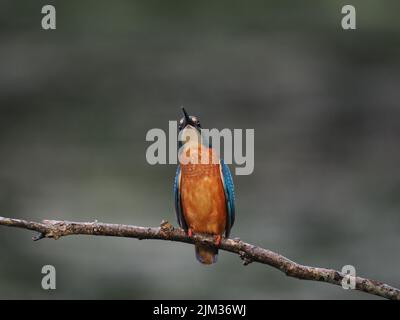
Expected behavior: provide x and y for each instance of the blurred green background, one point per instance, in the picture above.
(76, 103)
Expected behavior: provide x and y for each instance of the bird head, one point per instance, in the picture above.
(187, 121)
(189, 129)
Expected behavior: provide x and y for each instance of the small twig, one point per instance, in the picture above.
(248, 252)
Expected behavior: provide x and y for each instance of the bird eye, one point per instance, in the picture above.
(195, 120)
(180, 124)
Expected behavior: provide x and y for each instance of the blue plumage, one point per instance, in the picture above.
(178, 205)
(229, 196)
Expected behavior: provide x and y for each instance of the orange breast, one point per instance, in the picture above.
(203, 198)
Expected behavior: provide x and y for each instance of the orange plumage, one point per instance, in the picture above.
(203, 198)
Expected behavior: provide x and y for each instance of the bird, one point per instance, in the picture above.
(203, 190)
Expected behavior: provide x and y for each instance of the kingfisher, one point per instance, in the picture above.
(203, 190)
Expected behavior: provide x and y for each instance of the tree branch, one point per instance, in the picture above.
(247, 252)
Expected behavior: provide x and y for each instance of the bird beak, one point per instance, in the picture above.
(186, 115)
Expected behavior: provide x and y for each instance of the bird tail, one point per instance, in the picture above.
(205, 254)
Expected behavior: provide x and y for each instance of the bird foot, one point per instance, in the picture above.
(190, 233)
(217, 240)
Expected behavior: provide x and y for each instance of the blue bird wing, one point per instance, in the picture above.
(229, 196)
(178, 203)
